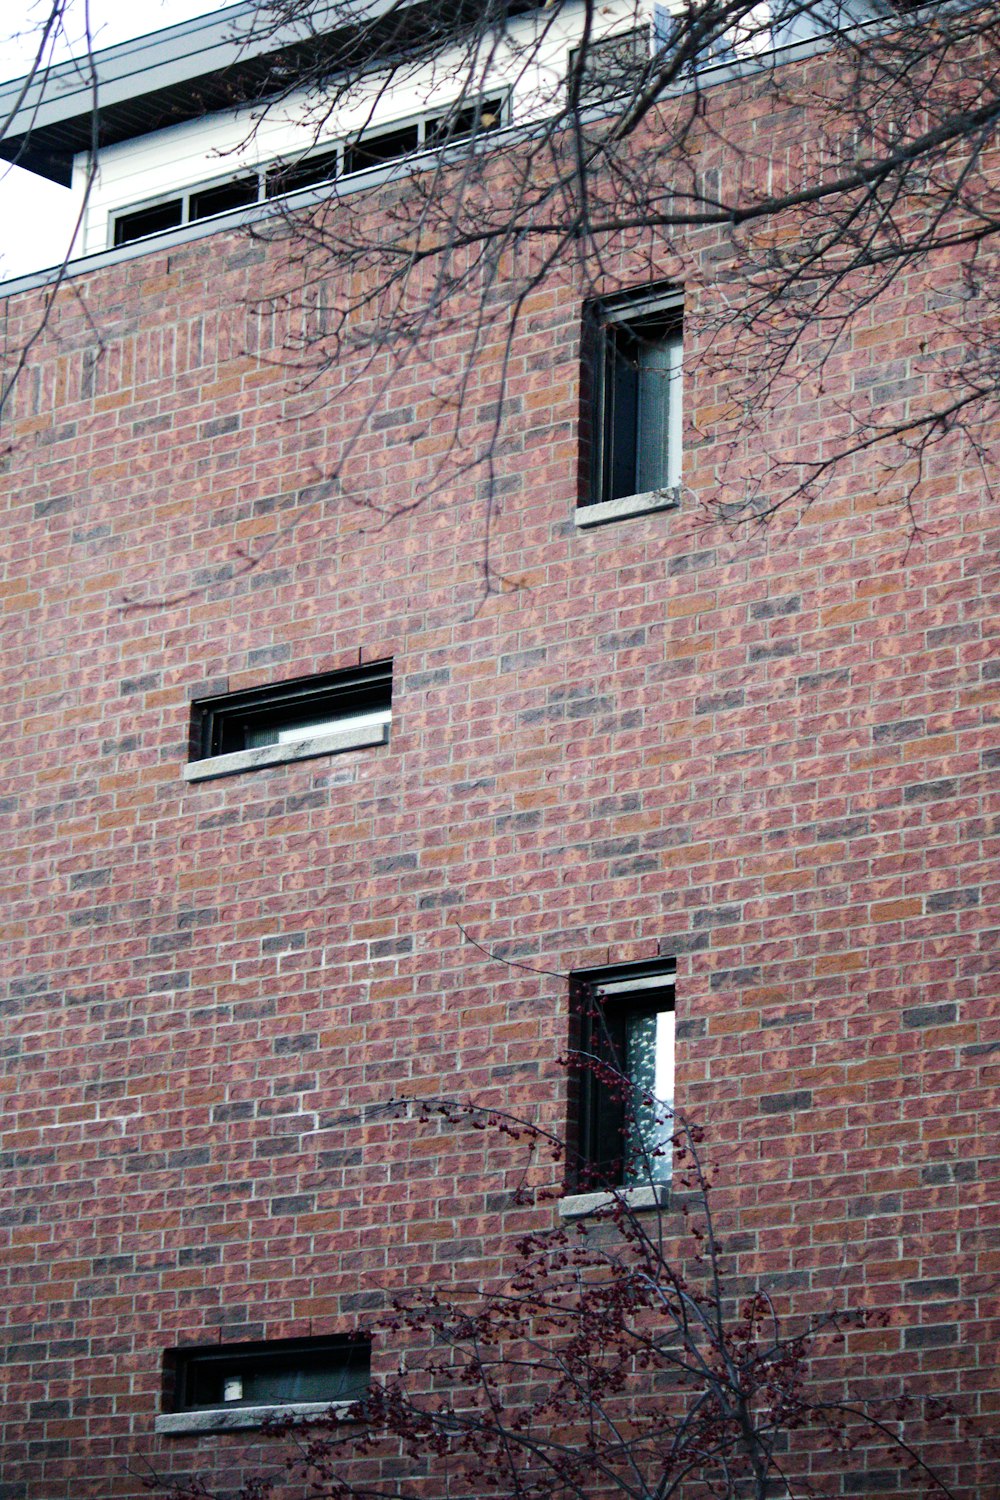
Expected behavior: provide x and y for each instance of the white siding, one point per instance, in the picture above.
(165, 162)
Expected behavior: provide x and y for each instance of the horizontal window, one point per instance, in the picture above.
(372, 149)
(294, 720)
(376, 150)
(309, 172)
(220, 1385)
(146, 221)
(222, 199)
(458, 124)
(615, 67)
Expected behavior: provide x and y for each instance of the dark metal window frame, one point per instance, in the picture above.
(189, 1368)
(221, 725)
(600, 1128)
(280, 178)
(614, 330)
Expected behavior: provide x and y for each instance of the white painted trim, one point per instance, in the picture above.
(627, 505)
(580, 1205)
(279, 755)
(663, 979)
(230, 1419)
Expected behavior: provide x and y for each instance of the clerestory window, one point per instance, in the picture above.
(374, 148)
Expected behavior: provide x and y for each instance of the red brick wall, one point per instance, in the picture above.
(771, 755)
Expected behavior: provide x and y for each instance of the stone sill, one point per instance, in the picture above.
(280, 755)
(232, 1419)
(638, 1199)
(627, 505)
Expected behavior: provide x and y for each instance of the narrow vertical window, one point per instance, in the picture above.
(625, 1027)
(634, 376)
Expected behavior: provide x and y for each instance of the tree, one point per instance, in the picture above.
(803, 169)
(619, 1357)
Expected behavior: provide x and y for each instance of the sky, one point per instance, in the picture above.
(36, 216)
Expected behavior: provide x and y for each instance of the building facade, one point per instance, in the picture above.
(317, 798)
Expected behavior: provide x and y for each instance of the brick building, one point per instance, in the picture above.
(280, 769)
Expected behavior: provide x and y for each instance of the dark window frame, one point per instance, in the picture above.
(123, 223)
(205, 202)
(324, 163)
(191, 1370)
(617, 331)
(221, 725)
(601, 1001)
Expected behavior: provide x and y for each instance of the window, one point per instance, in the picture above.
(625, 1029)
(428, 133)
(291, 721)
(460, 122)
(634, 370)
(611, 66)
(623, 64)
(238, 1385)
(322, 166)
(146, 221)
(375, 150)
(707, 40)
(239, 193)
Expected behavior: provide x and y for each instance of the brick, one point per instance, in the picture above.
(770, 609)
(714, 703)
(779, 1104)
(930, 1015)
(896, 911)
(930, 791)
(770, 758)
(934, 1336)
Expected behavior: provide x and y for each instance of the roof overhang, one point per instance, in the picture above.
(215, 62)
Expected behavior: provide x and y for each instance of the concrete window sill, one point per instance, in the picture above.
(280, 755)
(628, 505)
(580, 1205)
(233, 1419)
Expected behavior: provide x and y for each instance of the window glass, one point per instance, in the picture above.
(649, 1067)
(136, 226)
(305, 173)
(221, 199)
(374, 150)
(625, 1022)
(308, 729)
(611, 66)
(657, 449)
(355, 704)
(637, 418)
(459, 124)
(268, 1374)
